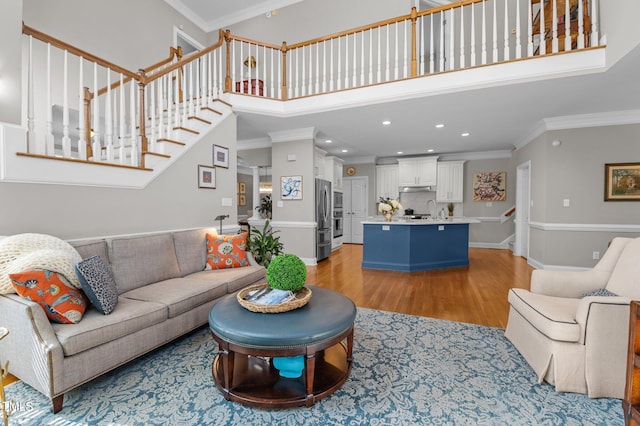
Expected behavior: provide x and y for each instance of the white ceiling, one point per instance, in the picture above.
(496, 118)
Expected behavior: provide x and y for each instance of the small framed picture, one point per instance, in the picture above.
(242, 187)
(242, 200)
(291, 187)
(206, 177)
(220, 156)
(622, 182)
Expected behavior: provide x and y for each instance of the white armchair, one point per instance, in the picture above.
(579, 344)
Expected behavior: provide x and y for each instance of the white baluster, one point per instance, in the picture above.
(176, 99)
(462, 55)
(108, 126)
(233, 67)
(170, 107)
(160, 97)
(66, 140)
(542, 48)
(379, 67)
(483, 56)
(442, 21)
(595, 36)
(405, 52)
(518, 39)
(580, 24)
(346, 61)
(185, 102)
(82, 144)
(387, 57)
(452, 33)
(362, 81)
(506, 52)
(96, 146)
(567, 27)
(529, 30)
(371, 56)
(122, 123)
(396, 69)
(431, 52)
(151, 129)
(264, 71)
(324, 66)
(495, 33)
(49, 141)
(297, 75)
(355, 61)
(135, 159)
(214, 77)
(31, 128)
(303, 83)
(273, 92)
(317, 67)
(331, 69)
(473, 35)
(192, 111)
(310, 91)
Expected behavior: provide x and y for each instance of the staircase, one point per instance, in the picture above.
(551, 20)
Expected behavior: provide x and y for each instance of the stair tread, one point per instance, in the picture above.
(170, 141)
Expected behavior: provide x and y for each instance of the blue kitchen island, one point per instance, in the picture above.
(416, 245)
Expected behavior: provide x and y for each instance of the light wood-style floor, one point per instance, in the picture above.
(475, 294)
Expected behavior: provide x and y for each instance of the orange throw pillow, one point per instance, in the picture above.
(61, 302)
(227, 251)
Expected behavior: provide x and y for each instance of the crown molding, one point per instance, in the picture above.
(306, 133)
(245, 144)
(188, 13)
(578, 121)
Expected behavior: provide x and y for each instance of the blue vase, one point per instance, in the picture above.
(290, 367)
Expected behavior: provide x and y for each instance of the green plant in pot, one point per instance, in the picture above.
(263, 245)
(287, 272)
(265, 206)
(450, 207)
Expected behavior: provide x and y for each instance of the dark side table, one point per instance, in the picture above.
(243, 370)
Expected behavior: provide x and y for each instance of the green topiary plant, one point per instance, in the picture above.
(286, 272)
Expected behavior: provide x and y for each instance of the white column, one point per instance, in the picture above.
(256, 187)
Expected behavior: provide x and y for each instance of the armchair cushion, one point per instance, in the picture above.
(598, 292)
(555, 317)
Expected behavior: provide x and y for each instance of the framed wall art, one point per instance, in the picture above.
(220, 156)
(622, 182)
(291, 187)
(242, 187)
(489, 186)
(206, 177)
(242, 200)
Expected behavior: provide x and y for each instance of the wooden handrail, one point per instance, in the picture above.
(71, 49)
(230, 36)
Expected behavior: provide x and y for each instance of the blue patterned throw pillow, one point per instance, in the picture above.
(98, 283)
(598, 292)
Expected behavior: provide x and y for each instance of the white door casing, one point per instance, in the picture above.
(523, 208)
(355, 208)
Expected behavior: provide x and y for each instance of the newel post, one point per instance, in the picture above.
(227, 78)
(414, 44)
(283, 94)
(144, 145)
(88, 128)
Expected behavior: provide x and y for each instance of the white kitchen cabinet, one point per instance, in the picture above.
(333, 168)
(387, 181)
(450, 181)
(319, 164)
(419, 171)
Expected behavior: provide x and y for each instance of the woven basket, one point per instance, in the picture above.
(302, 297)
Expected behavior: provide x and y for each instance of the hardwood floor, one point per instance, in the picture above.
(475, 294)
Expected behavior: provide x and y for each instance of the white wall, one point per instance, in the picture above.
(10, 61)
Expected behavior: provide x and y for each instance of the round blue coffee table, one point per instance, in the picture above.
(243, 370)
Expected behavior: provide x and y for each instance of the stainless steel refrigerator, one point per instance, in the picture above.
(323, 219)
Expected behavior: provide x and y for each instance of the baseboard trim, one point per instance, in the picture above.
(586, 227)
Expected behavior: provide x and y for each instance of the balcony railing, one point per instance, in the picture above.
(85, 108)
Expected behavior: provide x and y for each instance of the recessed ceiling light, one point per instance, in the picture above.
(399, 152)
(439, 126)
(386, 122)
(328, 141)
(464, 134)
(430, 150)
(344, 150)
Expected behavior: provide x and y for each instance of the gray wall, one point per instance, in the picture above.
(575, 171)
(311, 19)
(132, 34)
(10, 61)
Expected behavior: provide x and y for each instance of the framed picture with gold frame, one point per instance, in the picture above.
(242, 187)
(622, 182)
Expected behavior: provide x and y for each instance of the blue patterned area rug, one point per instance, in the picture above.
(407, 370)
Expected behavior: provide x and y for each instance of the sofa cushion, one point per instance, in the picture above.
(139, 261)
(235, 278)
(88, 249)
(61, 302)
(98, 284)
(180, 294)
(625, 277)
(552, 316)
(227, 251)
(96, 329)
(191, 250)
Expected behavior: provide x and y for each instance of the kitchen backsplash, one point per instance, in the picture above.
(419, 202)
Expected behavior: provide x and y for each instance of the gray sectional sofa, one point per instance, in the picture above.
(164, 292)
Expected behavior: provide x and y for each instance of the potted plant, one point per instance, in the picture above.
(263, 245)
(450, 207)
(286, 272)
(264, 208)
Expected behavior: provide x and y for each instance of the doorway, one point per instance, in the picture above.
(185, 41)
(523, 209)
(355, 199)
